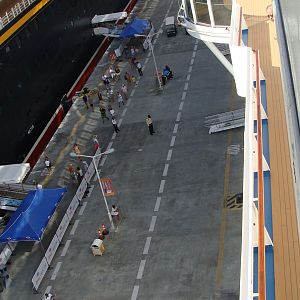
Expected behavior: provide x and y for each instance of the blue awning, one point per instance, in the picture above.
(29, 221)
(137, 26)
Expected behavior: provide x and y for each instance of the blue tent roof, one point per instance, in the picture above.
(31, 218)
(137, 26)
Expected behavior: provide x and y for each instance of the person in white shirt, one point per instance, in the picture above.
(48, 163)
(115, 124)
(115, 212)
(49, 296)
(139, 67)
(120, 99)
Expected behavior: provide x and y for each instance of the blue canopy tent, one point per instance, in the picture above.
(29, 221)
(137, 26)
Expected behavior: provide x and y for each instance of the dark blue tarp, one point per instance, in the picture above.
(29, 221)
(137, 26)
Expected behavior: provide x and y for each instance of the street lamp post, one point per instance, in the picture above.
(99, 180)
(152, 52)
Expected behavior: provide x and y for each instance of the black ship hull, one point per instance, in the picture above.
(38, 66)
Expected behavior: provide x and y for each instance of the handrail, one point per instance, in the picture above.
(261, 208)
(14, 12)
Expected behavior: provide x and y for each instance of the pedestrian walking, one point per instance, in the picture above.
(96, 143)
(72, 172)
(112, 73)
(115, 124)
(139, 68)
(124, 90)
(79, 174)
(128, 77)
(150, 124)
(47, 163)
(105, 80)
(170, 76)
(91, 102)
(110, 94)
(115, 212)
(111, 111)
(85, 100)
(100, 97)
(76, 150)
(120, 99)
(103, 114)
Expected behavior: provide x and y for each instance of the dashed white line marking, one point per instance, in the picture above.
(192, 61)
(152, 224)
(178, 116)
(66, 247)
(120, 122)
(74, 227)
(196, 42)
(147, 245)
(195, 47)
(146, 61)
(124, 112)
(82, 208)
(109, 146)
(194, 54)
(190, 69)
(57, 267)
(172, 141)
(181, 105)
(188, 77)
(186, 86)
(135, 292)
(165, 172)
(183, 96)
(114, 136)
(92, 186)
(141, 269)
(132, 92)
(157, 203)
(149, 53)
(175, 128)
(128, 102)
(103, 159)
(162, 186)
(169, 156)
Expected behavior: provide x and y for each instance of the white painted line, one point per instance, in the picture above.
(175, 128)
(192, 61)
(169, 156)
(120, 122)
(48, 289)
(141, 269)
(196, 42)
(195, 47)
(132, 92)
(135, 292)
(74, 227)
(181, 105)
(114, 136)
(103, 159)
(194, 54)
(178, 116)
(186, 86)
(149, 53)
(183, 96)
(165, 172)
(162, 186)
(152, 224)
(188, 77)
(109, 146)
(190, 69)
(172, 141)
(146, 61)
(57, 267)
(82, 208)
(157, 203)
(124, 112)
(147, 245)
(128, 102)
(66, 247)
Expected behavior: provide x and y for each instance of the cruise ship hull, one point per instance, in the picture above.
(39, 64)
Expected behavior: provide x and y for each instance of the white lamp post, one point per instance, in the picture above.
(148, 37)
(99, 180)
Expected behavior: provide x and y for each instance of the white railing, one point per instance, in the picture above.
(14, 12)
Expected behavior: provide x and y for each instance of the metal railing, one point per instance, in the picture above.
(14, 12)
